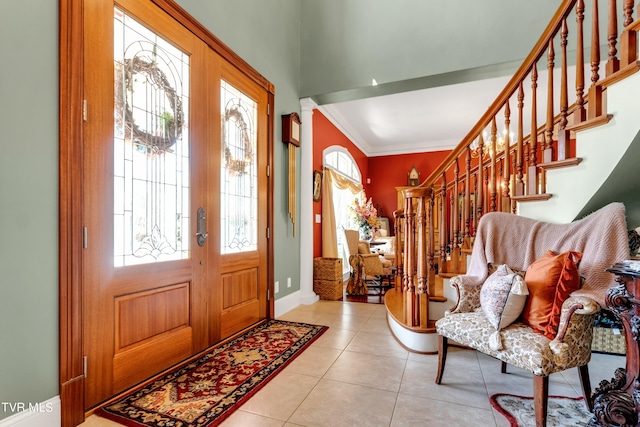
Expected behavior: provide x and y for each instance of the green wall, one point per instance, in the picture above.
(346, 43)
(28, 201)
(266, 34)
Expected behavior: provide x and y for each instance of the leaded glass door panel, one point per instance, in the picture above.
(243, 198)
(146, 145)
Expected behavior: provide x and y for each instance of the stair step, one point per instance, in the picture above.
(561, 163)
(531, 197)
(620, 75)
(394, 302)
(591, 123)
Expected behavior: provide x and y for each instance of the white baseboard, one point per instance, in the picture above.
(284, 304)
(45, 414)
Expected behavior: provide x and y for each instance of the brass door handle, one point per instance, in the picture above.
(201, 233)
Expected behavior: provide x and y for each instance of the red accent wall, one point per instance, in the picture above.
(325, 134)
(384, 172)
(388, 172)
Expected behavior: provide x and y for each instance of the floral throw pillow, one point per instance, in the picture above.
(503, 296)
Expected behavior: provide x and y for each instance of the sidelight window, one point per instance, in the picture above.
(239, 173)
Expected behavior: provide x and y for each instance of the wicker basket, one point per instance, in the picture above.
(606, 341)
(327, 269)
(329, 289)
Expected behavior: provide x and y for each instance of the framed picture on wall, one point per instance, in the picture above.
(317, 185)
(384, 225)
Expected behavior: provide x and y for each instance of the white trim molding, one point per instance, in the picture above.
(42, 414)
(284, 304)
(307, 295)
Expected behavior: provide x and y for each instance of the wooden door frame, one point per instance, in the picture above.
(71, 82)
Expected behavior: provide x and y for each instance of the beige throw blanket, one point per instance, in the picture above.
(504, 238)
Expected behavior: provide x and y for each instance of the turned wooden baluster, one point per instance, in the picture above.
(477, 199)
(451, 196)
(492, 177)
(506, 167)
(455, 211)
(421, 258)
(519, 182)
(580, 114)
(443, 224)
(480, 192)
(467, 200)
(628, 39)
(526, 148)
(398, 223)
(613, 64)
(628, 12)
(594, 104)
(532, 168)
(595, 44)
(486, 188)
(499, 163)
(547, 151)
(415, 257)
(512, 181)
(408, 288)
(431, 260)
(563, 133)
(547, 135)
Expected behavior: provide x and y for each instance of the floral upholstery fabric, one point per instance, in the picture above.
(468, 296)
(521, 346)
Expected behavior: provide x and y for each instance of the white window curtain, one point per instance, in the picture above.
(329, 234)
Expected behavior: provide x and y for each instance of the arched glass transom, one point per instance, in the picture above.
(340, 160)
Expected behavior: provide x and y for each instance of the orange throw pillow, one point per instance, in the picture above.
(550, 279)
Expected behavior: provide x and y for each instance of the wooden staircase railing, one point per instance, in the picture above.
(528, 129)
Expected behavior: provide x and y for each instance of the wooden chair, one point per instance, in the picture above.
(374, 268)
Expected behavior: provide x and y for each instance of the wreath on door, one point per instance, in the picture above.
(237, 165)
(168, 124)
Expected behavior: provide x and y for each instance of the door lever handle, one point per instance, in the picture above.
(201, 233)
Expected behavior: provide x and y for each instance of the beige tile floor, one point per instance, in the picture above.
(356, 374)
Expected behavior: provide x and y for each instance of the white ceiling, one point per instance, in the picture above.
(418, 121)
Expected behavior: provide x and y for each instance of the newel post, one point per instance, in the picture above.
(417, 223)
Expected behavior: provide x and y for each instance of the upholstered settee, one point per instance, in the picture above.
(521, 345)
(563, 341)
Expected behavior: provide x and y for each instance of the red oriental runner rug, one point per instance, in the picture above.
(207, 390)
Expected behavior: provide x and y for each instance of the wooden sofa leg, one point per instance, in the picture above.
(443, 344)
(585, 383)
(540, 397)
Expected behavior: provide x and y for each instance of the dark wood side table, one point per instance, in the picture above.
(617, 402)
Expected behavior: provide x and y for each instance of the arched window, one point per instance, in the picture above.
(339, 160)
